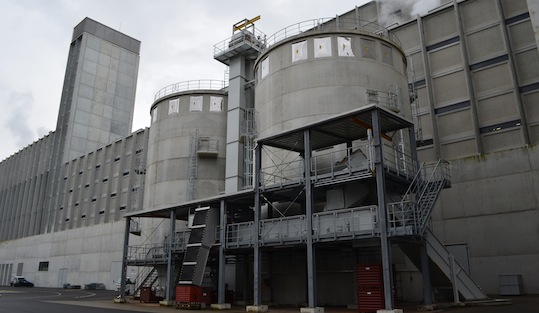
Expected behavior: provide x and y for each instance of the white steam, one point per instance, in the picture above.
(392, 12)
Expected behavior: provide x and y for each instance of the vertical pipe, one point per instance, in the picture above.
(382, 211)
(222, 231)
(170, 272)
(257, 270)
(311, 272)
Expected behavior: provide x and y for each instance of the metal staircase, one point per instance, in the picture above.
(201, 239)
(462, 282)
(416, 207)
(150, 275)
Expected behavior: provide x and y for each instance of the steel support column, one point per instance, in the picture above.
(257, 266)
(124, 257)
(311, 269)
(170, 271)
(382, 211)
(425, 272)
(222, 261)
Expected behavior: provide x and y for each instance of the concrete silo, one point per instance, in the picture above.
(317, 69)
(186, 146)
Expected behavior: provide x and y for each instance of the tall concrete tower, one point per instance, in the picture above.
(99, 89)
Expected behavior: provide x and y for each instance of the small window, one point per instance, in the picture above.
(139, 151)
(216, 104)
(94, 199)
(117, 159)
(87, 185)
(97, 166)
(80, 173)
(299, 51)
(154, 115)
(83, 216)
(106, 179)
(345, 46)
(43, 266)
(123, 207)
(101, 212)
(77, 203)
(112, 195)
(126, 173)
(322, 47)
(173, 106)
(195, 104)
(135, 189)
(264, 68)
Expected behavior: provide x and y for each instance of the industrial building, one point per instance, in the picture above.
(360, 161)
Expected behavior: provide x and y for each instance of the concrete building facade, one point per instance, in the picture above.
(466, 74)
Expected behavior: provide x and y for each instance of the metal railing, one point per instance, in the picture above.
(347, 161)
(331, 225)
(346, 223)
(331, 24)
(255, 38)
(202, 84)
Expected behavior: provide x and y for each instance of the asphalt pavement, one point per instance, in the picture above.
(38, 300)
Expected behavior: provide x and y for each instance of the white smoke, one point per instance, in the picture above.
(392, 12)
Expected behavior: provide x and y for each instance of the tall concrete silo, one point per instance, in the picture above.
(186, 146)
(317, 69)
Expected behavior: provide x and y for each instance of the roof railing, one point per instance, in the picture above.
(201, 84)
(331, 23)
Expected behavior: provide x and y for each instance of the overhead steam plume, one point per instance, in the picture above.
(392, 12)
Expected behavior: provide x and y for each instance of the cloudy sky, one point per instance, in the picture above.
(177, 45)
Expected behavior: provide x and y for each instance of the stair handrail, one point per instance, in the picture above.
(148, 271)
(439, 174)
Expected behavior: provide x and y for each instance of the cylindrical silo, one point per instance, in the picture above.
(187, 143)
(318, 69)
(329, 68)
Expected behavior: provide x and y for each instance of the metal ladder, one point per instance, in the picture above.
(193, 166)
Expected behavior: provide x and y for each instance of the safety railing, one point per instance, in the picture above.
(202, 84)
(358, 159)
(399, 162)
(345, 224)
(253, 37)
(240, 234)
(147, 252)
(331, 24)
(284, 229)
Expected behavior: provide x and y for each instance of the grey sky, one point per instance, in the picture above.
(177, 45)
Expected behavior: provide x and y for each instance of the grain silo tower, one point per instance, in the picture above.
(186, 151)
(319, 68)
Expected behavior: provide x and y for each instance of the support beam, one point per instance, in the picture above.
(171, 284)
(382, 211)
(311, 269)
(257, 270)
(121, 297)
(222, 262)
(425, 272)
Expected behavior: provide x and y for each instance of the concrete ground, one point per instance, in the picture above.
(520, 304)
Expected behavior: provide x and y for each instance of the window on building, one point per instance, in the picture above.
(322, 47)
(43, 266)
(264, 68)
(344, 45)
(299, 51)
(195, 104)
(173, 106)
(154, 115)
(216, 104)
